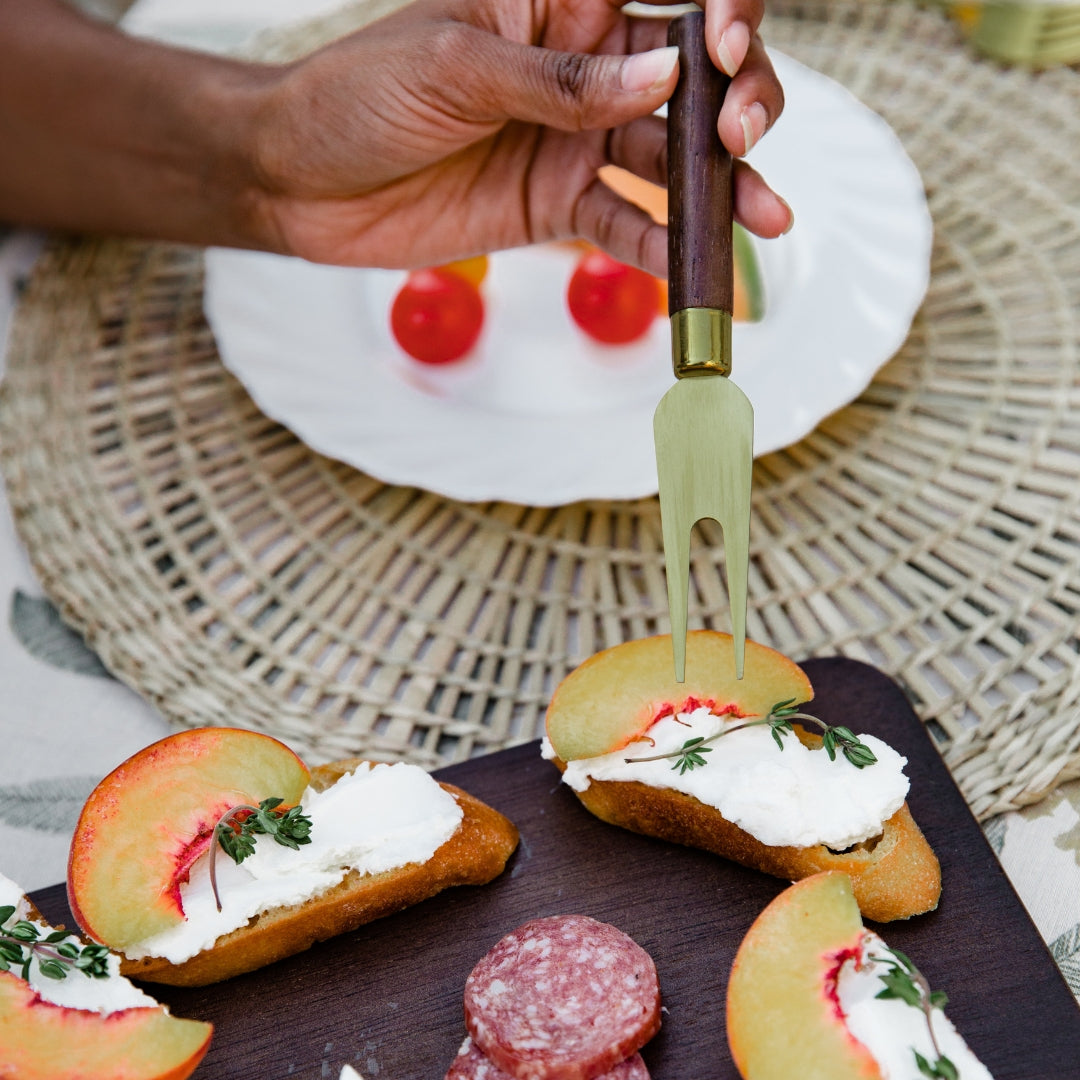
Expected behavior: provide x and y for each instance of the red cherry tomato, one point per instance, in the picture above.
(436, 316)
(612, 302)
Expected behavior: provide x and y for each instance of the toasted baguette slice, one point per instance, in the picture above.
(894, 876)
(474, 855)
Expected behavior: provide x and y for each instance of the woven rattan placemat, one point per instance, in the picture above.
(233, 576)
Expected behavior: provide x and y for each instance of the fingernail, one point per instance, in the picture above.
(754, 121)
(791, 217)
(732, 46)
(648, 70)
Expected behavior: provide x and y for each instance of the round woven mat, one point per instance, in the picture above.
(233, 576)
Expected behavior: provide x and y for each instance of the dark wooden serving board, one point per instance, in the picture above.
(387, 999)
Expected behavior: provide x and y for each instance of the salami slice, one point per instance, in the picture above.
(562, 998)
(470, 1064)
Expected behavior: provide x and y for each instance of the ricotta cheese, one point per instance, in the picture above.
(76, 991)
(891, 1029)
(378, 818)
(796, 797)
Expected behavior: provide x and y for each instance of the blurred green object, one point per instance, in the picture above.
(106, 10)
(1036, 35)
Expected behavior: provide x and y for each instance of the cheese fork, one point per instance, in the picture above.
(703, 426)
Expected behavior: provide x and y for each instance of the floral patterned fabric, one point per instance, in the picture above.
(1039, 848)
(64, 721)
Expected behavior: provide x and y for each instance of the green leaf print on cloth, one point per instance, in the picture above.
(995, 830)
(1068, 839)
(1066, 951)
(37, 625)
(51, 805)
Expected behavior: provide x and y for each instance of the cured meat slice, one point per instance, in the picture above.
(562, 998)
(470, 1064)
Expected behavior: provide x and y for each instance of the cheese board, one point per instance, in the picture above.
(387, 999)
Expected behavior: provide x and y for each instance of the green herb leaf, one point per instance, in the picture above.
(778, 727)
(94, 961)
(11, 952)
(780, 719)
(898, 984)
(20, 944)
(689, 756)
(904, 981)
(6, 912)
(946, 1069)
(904, 961)
(942, 1069)
(237, 828)
(860, 756)
(828, 743)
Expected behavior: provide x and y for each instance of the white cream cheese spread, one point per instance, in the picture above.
(796, 797)
(76, 990)
(378, 818)
(891, 1029)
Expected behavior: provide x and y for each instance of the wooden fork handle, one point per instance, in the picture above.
(700, 194)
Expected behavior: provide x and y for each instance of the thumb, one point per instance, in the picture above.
(566, 90)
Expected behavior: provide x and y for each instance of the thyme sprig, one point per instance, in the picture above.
(904, 981)
(237, 828)
(780, 719)
(57, 953)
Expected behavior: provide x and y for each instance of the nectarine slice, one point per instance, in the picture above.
(150, 818)
(42, 1041)
(783, 1016)
(617, 695)
(748, 303)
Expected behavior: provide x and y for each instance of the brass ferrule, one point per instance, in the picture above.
(701, 342)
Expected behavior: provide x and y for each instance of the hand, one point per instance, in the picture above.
(455, 127)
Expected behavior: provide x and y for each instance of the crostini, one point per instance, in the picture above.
(67, 1014)
(216, 851)
(736, 767)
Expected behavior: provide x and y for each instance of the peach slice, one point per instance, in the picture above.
(748, 303)
(473, 269)
(651, 198)
(783, 1017)
(616, 695)
(149, 819)
(42, 1041)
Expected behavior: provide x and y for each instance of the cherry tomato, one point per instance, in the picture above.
(473, 270)
(436, 316)
(612, 302)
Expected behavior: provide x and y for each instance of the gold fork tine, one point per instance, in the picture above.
(708, 476)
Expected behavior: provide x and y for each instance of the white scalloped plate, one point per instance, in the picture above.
(540, 415)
